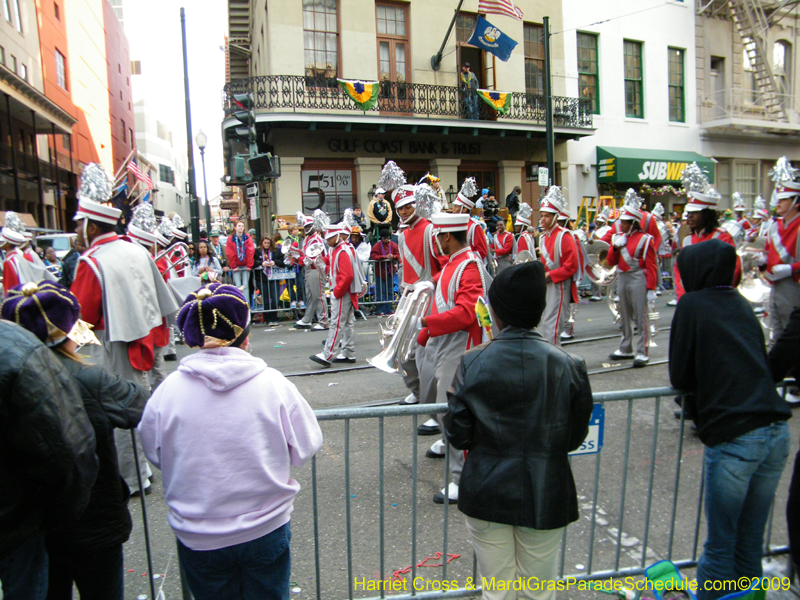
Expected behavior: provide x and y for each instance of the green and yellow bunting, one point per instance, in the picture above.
(500, 101)
(363, 93)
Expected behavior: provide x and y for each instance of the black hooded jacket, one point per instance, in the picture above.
(717, 350)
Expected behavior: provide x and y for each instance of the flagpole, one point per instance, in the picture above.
(548, 96)
(123, 165)
(194, 210)
(436, 59)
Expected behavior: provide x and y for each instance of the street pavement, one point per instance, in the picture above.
(617, 508)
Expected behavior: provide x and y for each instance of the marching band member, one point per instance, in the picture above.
(760, 221)
(634, 253)
(560, 257)
(452, 327)
(316, 304)
(164, 234)
(569, 327)
(783, 248)
(523, 240)
(739, 207)
(178, 256)
(418, 262)
(665, 249)
(346, 285)
(122, 295)
(647, 224)
(19, 267)
(503, 247)
(701, 217)
(476, 238)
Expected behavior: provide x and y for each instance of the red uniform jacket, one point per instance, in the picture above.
(462, 316)
(476, 238)
(615, 228)
(414, 240)
(503, 244)
(342, 268)
(233, 259)
(380, 252)
(644, 254)
(10, 275)
(789, 240)
(719, 234)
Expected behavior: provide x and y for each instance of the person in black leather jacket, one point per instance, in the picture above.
(47, 458)
(87, 550)
(519, 405)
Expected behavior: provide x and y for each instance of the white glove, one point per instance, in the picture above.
(761, 259)
(781, 272)
(619, 240)
(651, 296)
(418, 323)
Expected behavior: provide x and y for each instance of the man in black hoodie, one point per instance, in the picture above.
(717, 355)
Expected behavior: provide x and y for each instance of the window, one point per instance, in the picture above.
(124, 131)
(534, 58)
(393, 59)
(2, 55)
(781, 66)
(17, 16)
(465, 25)
(166, 174)
(120, 94)
(634, 105)
(23, 71)
(750, 85)
(61, 72)
(56, 10)
(6, 10)
(330, 188)
(587, 70)
(14, 63)
(130, 136)
(746, 179)
(136, 67)
(65, 142)
(677, 105)
(722, 178)
(321, 39)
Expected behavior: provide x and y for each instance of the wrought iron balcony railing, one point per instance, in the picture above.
(297, 93)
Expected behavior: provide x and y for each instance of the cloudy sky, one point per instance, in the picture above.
(153, 28)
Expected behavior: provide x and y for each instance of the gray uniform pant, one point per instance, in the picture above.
(343, 317)
(113, 356)
(632, 290)
(440, 361)
(785, 297)
(315, 298)
(411, 377)
(158, 372)
(503, 263)
(172, 323)
(556, 311)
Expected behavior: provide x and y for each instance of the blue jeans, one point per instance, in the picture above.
(741, 477)
(241, 279)
(259, 569)
(384, 290)
(23, 573)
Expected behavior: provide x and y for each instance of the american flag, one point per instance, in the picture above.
(500, 7)
(138, 174)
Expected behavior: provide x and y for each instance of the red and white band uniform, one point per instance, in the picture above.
(745, 223)
(418, 262)
(694, 238)
(637, 269)
(161, 335)
(178, 257)
(344, 301)
(476, 239)
(19, 267)
(452, 328)
(647, 223)
(503, 248)
(569, 327)
(125, 299)
(559, 253)
(783, 271)
(522, 242)
(315, 284)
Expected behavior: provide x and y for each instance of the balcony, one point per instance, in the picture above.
(743, 112)
(28, 168)
(324, 97)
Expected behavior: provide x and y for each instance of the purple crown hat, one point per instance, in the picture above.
(47, 309)
(215, 316)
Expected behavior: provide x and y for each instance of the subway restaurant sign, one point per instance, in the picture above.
(633, 165)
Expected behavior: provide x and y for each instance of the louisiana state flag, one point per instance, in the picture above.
(363, 93)
(500, 101)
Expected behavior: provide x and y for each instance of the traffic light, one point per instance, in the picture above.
(265, 166)
(247, 116)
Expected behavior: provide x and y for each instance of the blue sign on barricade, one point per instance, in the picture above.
(594, 439)
(276, 274)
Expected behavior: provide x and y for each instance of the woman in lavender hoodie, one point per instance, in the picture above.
(225, 430)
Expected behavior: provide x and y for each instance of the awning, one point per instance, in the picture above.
(635, 165)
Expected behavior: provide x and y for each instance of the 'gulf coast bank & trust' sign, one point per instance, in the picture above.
(624, 165)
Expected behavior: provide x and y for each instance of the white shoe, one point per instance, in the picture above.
(410, 399)
(451, 492)
(566, 336)
(318, 327)
(640, 360)
(792, 400)
(301, 304)
(438, 447)
(301, 324)
(673, 302)
(658, 292)
(431, 423)
(595, 299)
(293, 305)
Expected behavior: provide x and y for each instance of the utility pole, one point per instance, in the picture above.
(548, 96)
(193, 208)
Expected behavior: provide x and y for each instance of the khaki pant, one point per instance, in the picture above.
(515, 554)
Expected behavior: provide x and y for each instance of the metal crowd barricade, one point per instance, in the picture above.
(268, 286)
(640, 498)
(382, 286)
